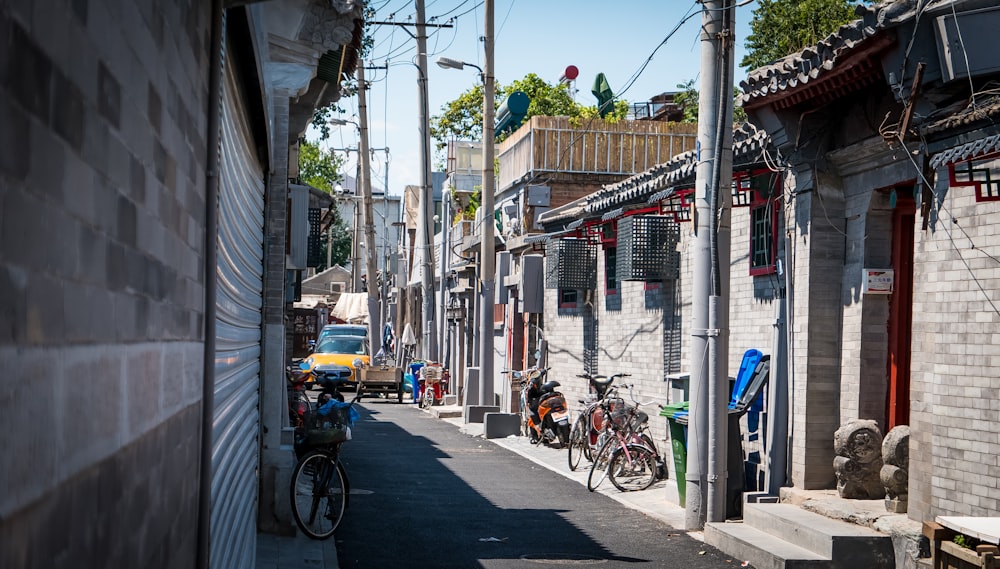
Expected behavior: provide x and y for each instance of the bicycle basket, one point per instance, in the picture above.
(618, 412)
(327, 425)
(431, 373)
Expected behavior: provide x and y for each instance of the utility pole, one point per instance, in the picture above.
(708, 426)
(425, 223)
(445, 266)
(487, 255)
(429, 337)
(385, 245)
(374, 313)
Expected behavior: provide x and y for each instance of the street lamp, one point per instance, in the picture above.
(449, 63)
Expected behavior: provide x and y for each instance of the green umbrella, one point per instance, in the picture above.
(605, 98)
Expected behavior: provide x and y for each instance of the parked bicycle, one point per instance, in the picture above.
(320, 488)
(585, 436)
(628, 456)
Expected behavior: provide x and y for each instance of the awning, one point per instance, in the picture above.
(352, 307)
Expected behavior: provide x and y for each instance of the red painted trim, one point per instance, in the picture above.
(900, 312)
(972, 183)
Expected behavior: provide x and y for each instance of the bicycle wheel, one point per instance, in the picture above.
(599, 468)
(577, 442)
(318, 494)
(632, 468)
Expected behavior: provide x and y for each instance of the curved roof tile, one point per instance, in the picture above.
(810, 63)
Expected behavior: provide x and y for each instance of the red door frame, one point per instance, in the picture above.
(901, 311)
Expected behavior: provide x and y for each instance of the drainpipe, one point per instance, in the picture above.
(216, 45)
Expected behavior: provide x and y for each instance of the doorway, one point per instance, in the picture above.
(900, 310)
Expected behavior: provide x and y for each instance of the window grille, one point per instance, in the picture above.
(571, 263)
(647, 248)
(982, 173)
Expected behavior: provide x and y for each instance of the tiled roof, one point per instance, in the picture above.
(981, 147)
(749, 144)
(985, 110)
(811, 64)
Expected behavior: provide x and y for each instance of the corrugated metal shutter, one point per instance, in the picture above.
(236, 423)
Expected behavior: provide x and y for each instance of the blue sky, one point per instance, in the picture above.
(532, 36)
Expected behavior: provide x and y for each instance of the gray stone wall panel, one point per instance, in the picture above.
(101, 245)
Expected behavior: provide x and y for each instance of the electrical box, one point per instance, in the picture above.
(298, 237)
(965, 43)
(503, 269)
(532, 286)
(538, 195)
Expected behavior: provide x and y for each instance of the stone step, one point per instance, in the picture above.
(849, 545)
(763, 550)
(446, 412)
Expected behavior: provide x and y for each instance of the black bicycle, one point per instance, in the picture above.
(320, 488)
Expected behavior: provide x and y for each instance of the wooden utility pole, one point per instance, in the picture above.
(374, 311)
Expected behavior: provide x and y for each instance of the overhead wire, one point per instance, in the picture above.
(948, 231)
(509, 8)
(635, 76)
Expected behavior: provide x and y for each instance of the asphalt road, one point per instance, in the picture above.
(425, 495)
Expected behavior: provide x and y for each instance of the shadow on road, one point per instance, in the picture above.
(427, 496)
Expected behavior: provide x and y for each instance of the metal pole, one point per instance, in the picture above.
(487, 254)
(355, 228)
(445, 265)
(426, 232)
(385, 244)
(374, 315)
(707, 429)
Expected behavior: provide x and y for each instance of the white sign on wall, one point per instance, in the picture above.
(877, 281)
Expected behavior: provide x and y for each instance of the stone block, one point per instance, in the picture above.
(500, 425)
(475, 413)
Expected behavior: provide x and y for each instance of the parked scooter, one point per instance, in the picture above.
(298, 400)
(544, 410)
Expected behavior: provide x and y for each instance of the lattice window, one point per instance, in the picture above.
(314, 255)
(763, 235)
(982, 173)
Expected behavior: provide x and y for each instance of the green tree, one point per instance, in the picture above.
(321, 170)
(783, 27)
(462, 118)
(687, 98)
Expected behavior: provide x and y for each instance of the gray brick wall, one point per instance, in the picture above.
(818, 253)
(955, 394)
(635, 324)
(102, 153)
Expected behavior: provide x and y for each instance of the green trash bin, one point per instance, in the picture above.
(677, 418)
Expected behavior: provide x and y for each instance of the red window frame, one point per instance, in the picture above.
(770, 208)
(958, 177)
(563, 292)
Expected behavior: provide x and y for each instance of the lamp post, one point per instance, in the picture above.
(487, 253)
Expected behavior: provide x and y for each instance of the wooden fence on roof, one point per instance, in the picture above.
(590, 146)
